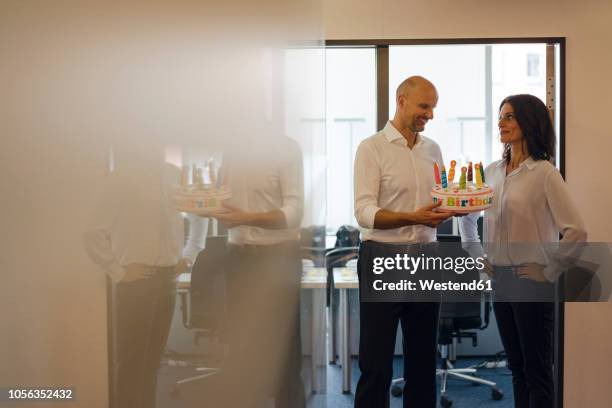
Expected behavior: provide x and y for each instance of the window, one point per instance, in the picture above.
(350, 118)
(533, 65)
(458, 72)
(472, 79)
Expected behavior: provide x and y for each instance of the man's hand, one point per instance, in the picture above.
(136, 271)
(182, 266)
(427, 216)
(232, 216)
(385, 219)
(488, 268)
(531, 271)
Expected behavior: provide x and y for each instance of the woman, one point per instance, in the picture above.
(531, 207)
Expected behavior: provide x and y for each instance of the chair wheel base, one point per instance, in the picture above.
(397, 391)
(497, 394)
(445, 402)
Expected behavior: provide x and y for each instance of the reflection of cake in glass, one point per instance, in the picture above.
(198, 197)
(470, 194)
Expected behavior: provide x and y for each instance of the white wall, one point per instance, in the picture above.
(586, 26)
(52, 300)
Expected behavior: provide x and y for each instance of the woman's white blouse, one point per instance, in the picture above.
(531, 206)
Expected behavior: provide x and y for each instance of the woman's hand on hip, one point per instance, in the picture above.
(532, 271)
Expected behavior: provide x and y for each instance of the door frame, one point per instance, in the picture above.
(382, 104)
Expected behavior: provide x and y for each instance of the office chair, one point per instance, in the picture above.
(312, 244)
(205, 311)
(455, 319)
(345, 249)
(202, 310)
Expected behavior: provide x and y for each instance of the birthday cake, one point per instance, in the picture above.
(468, 195)
(198, 197)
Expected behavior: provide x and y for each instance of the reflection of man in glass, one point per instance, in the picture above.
(263, 281)
(393, 178)
(136, 236)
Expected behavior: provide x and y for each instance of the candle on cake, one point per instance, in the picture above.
(462, 183)
(469, 194)
(212, 176)
(482, 172)
(478, 168)
(451, 172)
(194, 174)
(437, 174)
(200, 177)
(444, 181)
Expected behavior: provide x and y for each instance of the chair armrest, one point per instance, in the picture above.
(487, 304)
(341, 250)
(184, 308)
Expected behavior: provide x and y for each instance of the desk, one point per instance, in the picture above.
(344, 280)
(314, 280)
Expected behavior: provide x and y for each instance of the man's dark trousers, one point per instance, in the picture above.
(378, 328)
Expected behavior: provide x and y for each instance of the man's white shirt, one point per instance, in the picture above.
(135, 221)
(268, 178)
(391, 176)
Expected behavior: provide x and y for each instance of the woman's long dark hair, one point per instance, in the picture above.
(535, 123)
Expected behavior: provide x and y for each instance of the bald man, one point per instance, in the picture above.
(393, 178)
